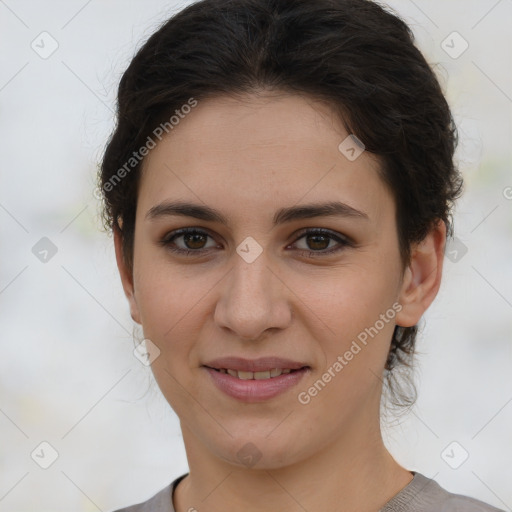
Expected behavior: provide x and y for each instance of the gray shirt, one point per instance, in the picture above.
(421, 495)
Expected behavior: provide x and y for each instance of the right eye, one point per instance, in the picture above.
(193, 241)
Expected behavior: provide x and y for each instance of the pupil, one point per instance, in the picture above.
(192, 238)
(318, 239)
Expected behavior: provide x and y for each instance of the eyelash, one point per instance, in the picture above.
(343, 242)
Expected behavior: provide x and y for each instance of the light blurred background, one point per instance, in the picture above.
(68, 376)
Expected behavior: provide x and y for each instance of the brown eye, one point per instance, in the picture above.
(318, 242)
(195, 240)
(188, 241)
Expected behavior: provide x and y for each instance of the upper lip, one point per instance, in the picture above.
(254, 365)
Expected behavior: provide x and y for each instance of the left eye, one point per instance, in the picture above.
(319, 240)
(194, 242)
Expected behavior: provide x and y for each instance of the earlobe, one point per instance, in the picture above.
(422, 278)
(126, 276)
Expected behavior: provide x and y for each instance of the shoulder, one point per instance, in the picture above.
(160, 502)
(459, 503)
(423, 494)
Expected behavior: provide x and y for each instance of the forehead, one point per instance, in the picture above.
(259, 151)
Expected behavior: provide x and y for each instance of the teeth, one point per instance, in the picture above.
(262, 375)
(275, 372)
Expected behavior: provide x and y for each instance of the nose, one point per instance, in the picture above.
(254, 299)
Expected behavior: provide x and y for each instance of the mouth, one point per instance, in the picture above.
(260, 375)
(255, 386)
(256, 380)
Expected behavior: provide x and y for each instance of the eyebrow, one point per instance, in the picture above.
(288, 214)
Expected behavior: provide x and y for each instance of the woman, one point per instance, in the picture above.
(279, 186)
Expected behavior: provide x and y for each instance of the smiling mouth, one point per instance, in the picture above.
(268, 374)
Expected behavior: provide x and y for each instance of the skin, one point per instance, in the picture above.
(247, 157)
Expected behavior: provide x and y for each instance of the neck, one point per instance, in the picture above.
(353, 473)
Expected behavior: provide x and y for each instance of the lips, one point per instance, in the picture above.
(255, 390)
(255, 380)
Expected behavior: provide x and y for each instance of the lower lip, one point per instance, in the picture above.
(253, 390)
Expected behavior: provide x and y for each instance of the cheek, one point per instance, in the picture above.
(167, 295)
(350, 299)
(353, 313)
(169, 303)
(334, 304)
(360, 315)
(171, 308)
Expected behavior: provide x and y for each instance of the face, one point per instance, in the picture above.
(265, 272)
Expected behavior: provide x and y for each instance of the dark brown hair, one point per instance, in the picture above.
(354, 54)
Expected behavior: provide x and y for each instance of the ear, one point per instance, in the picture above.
(126, 276)
(422, 278)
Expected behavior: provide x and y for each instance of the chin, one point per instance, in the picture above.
(258, 452)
